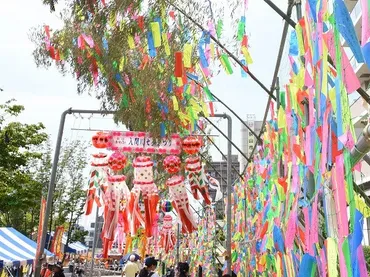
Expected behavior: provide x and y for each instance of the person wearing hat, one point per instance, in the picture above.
(131, 268)
(58, 270)
(150, 265)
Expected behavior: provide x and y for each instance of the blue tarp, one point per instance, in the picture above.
(16, 249)
(75, 247)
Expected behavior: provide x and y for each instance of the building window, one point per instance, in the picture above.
(92, 225)
(251, 140)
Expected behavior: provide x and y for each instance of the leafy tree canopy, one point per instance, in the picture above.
(20, 193)
(126, 50)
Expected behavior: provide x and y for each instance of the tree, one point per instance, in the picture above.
(105, 47)
(70, 187)
(20, 194)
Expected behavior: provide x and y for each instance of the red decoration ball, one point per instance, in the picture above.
(117, 161)
(100, 140)
(172, 164)
(191, 145)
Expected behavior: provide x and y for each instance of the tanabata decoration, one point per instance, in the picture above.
(100, 140)
(117, 161)
(143, 185)
(98, 175)
(191, 145)
(168, 238)
(115, 197)
(194, 169)
(197, 179)
(172, 164)
(180, 202)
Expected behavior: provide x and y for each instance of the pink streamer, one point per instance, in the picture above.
(340, 197)
(342, 261)
(365, 22)
(351, 81)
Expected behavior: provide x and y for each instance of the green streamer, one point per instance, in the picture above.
(124, 101)
(219, 28)
(227, 63)
(209, 94)
(347, 256)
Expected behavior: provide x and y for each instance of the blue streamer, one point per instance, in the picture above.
(152, 51)
(293, 48)
(278, 239)
(366, 53)
(170, 86)
(312, 4)
(159, 20)
(242, 71)
(202, 57)
(163, 129)
(307, 264)
(105, 44)
(346, 28)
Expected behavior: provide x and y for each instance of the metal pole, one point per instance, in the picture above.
(228, 187)
(281, 13)
(228, 209)
(362, 146)
(298, 6)
(178, 245)
(51, 188)
(95, 239)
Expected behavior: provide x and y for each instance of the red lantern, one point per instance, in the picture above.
(100, 140)
(117, 161)
(191, 145)
(172, 164)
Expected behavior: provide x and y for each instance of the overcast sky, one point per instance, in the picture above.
(46, 93)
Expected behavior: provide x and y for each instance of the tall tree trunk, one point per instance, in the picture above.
(68, 236)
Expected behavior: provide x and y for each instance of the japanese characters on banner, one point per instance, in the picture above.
(141, 142)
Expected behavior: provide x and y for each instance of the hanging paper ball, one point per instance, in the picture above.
(167, 206)
(172, 164)
(99, 160)
(191, 145)
(117, 161)
(100, 140)
(167, 222)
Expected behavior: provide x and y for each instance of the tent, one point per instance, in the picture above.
(16, 249)
(75, 247)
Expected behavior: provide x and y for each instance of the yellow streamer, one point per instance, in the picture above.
(165, 44)
(121, 64)
(332, 256)
(247, 55)
(131, 42)
(156, 30)
(188, 48)
(175, 103)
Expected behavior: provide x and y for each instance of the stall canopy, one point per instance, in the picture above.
(75, 247)
(16, 249)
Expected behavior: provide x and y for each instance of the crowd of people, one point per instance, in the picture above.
(134, 268)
